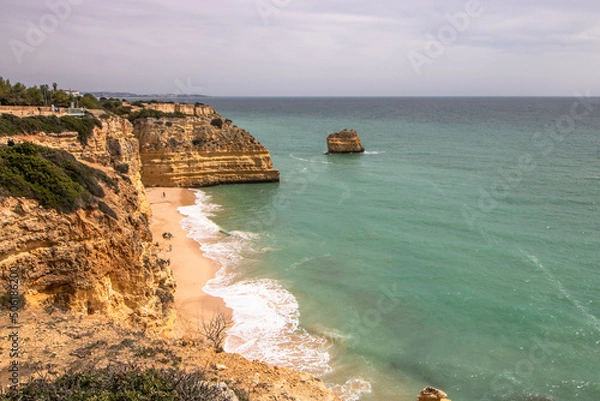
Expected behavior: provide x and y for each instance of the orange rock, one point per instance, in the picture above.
(346, 141)
(432, 394)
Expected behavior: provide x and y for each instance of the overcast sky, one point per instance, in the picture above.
(305, 47)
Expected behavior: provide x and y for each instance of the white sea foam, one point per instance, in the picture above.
(352, 389)
(265, 314)
(373, 152)
(593, 319)
(307, 160)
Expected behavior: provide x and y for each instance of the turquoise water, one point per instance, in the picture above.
(461, 251)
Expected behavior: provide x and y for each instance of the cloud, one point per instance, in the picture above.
(305, 47)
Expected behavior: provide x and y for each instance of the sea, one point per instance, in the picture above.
(460, 251)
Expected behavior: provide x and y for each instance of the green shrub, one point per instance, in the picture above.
(150, 113)
(111, 104)
(116, 384)
(84, 126)
(6, 301)
(198, 141)
(52, 177)
(217, 122)
(123, 168)
(89, 101)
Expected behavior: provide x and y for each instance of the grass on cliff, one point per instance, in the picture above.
(13, 125)
(150, 113)
(116, 384)
(52, 177)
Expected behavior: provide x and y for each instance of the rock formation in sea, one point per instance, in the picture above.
(200, 149)
(346, 141)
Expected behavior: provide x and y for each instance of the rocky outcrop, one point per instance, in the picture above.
(346, 141)
(432, 394)
(91, 260)
(113, 145)
(198, 109)
(194, 151)
(87, 261)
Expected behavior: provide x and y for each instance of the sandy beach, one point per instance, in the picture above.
(189, 265)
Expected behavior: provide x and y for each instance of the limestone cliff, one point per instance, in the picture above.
(194, 151)
(346, 141)
(113, 145)
(197, 109)
(94, 259)
(87, 261)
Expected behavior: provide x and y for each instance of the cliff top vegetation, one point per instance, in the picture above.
(13, 125)
(115, 383)
(52, 177)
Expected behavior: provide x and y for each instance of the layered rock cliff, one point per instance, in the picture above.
(96, 259)
(193, 151)
(87, 261)
(346, 141)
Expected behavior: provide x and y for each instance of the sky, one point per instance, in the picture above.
(305, 47)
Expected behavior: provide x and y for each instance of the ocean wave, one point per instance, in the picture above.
(309, 161)
(352, 389)
(373, 152)
(266, 326)
(266, 315)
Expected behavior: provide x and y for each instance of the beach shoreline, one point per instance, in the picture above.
(191, 269)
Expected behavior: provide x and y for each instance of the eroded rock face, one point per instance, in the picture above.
(183, 108)
(346, 141)
(195, 151)
(89, 261)
(432, 394)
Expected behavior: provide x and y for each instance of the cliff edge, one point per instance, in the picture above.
(199, 149)
(84, 244)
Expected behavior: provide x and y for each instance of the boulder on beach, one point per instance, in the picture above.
(432, 394)
(346, 141)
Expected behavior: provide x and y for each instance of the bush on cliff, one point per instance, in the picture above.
(150, 113)
(84, 126)
(217, 122)
(52, 177)
(122, 384)
(89, 101)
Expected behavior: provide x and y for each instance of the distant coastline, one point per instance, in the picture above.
(120, 95)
